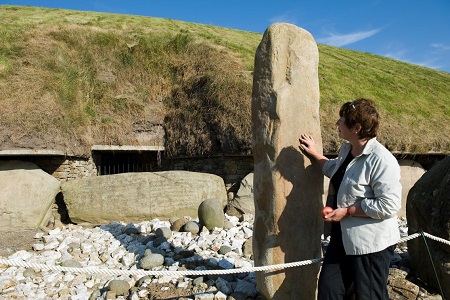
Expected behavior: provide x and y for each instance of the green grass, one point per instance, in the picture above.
(83, 78)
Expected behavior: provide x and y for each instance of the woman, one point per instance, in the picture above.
(364, 228)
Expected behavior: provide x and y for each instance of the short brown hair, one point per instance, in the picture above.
(363, 112)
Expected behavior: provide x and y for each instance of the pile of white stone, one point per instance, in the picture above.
(125, 247)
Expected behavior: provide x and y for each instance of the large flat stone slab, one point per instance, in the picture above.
(135, 197)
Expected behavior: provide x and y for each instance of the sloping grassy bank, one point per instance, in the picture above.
(71, 79)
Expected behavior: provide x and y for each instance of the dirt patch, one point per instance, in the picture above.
(13, 241)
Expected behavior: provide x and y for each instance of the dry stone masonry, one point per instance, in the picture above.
(288, 187)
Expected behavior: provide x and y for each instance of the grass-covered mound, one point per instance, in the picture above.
(71, 79)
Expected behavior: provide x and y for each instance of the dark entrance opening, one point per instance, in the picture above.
(116, 162)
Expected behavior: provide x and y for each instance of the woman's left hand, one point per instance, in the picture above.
(336, 215)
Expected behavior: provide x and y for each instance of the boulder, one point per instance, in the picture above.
(26, 195)
(288, 186)
(244, 199)
(151, 260)
(136, 197)
(119, 287)
(428, 210)
(210, 214)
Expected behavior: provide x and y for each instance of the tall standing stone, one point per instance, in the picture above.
(288, 186)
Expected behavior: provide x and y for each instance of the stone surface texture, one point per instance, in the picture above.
(26, 195)
(210, 214)
(288, 186)
(244, 199)
(428, 210)
(140, 196)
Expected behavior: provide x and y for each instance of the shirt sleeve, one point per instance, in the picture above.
(387, 189)
(330, 164)
(328, 167)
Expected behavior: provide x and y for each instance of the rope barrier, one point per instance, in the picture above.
(106, 271)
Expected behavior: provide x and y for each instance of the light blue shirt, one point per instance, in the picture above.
(371, 180)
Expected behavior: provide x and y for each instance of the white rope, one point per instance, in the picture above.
(409, 237)
(417, 234)
(438, 239)
(106, 271)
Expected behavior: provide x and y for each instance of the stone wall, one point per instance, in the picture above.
(73, 169)
(62, 168)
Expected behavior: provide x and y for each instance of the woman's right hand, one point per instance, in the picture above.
(308, 145)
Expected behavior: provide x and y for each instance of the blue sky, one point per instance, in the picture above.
(414, 31)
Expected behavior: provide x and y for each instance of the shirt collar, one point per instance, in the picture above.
(368, 148)
(370, 145)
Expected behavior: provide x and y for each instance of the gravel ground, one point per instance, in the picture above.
(13, 241)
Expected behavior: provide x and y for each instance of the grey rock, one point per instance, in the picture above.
(119, 287)
(152, 260)
(148, 238)
(244, 199)
(159, 240)
(225, 249)
(163, 231)
(204, 296)
(191, 227)
(233, 211)
(210, 214)
(178, 224)
(246, 288)
(130, 229)
(247, 248)
(223, 286)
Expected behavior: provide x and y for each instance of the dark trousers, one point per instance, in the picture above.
(364, 275)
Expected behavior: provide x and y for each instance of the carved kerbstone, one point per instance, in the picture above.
(428, 209)
(288, 186)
